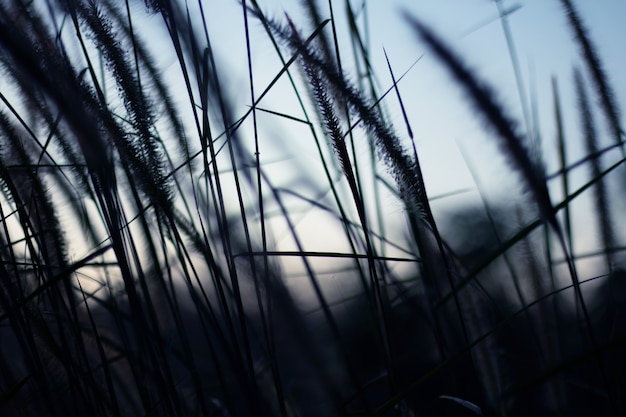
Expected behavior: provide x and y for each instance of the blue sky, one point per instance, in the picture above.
(437, 110)
(449, 134)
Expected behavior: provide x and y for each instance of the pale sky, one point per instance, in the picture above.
(437, 110)
(439, 113)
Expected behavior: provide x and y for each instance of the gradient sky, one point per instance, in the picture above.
(440, 117)
(449, 134)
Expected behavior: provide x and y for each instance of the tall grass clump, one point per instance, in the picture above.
(178, 241)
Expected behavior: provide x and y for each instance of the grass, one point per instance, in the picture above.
(157, 251)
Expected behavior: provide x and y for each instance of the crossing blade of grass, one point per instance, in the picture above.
(600, 191)
(562, 146)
